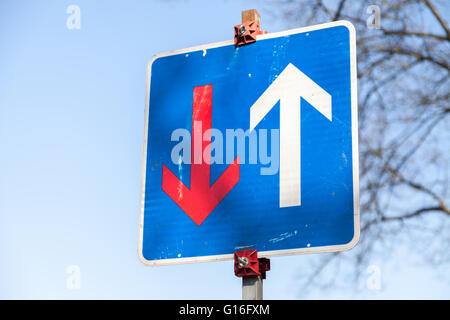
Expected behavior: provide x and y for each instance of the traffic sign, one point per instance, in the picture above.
(252, 147)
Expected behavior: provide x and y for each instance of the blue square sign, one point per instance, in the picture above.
(252, 147)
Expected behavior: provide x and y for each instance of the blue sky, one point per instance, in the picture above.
(71, 125)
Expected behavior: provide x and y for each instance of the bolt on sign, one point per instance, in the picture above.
(252, 147)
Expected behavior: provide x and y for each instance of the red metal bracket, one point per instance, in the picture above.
(264, 265)
(246, 32)
(247, 263)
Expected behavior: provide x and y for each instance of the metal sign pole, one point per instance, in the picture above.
(246, 262)
(252, 288)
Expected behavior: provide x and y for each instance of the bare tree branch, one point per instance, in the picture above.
(338, 11)
(419, 56)
(438, 17)
(413, 33)
(403, 110)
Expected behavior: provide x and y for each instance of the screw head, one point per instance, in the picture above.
(242, 30)
(243, 262)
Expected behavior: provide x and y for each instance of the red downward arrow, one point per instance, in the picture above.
(201, 199)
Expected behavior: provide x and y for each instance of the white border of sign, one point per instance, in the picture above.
(355, 154)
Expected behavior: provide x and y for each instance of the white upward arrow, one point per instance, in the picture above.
(289, 87)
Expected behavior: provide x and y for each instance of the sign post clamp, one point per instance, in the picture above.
(252, 270)
(250, 27)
